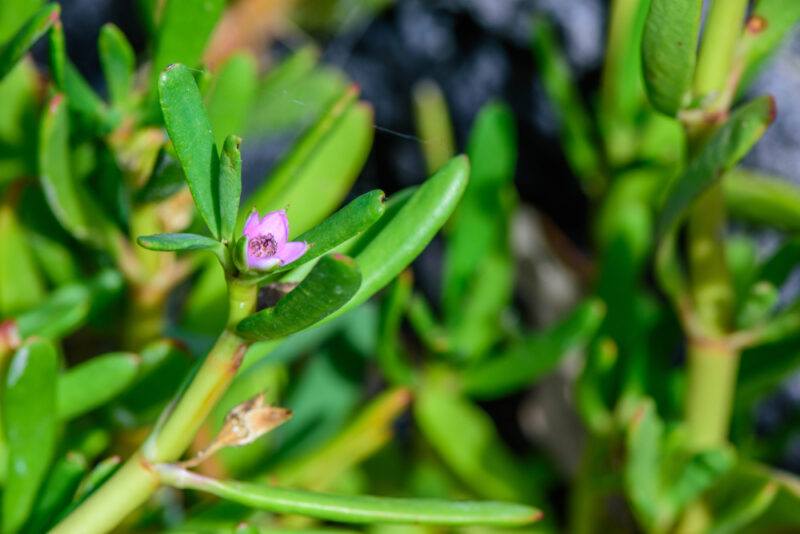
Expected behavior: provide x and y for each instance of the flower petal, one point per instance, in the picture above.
(251, 226)
(275, 223)
(263, 264)
(291, 251)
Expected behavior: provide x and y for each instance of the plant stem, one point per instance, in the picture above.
(712, 364)
(144, 321)
(722, 30)
(710, 392)
(135, 482)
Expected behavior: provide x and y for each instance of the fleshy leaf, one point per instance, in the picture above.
(768, 25)
(29, 424)
(433, 124)
(762, 199)
(363, 435)
(329, 285)
(191, 135)
(669, 52)
(57, 491)
(118, 61)
(580, 147)
(478, 266)
(69, 200)
(402, 234)
(16, 47)
(354, 508)
(230, 185)
(322, 165)
(229, 98)
(23, 286)
(528, 360)
(68, 307)
(726, 147)
(174, 242)
(183, 31)
(345, 224)
(95, 382)
(465, 438)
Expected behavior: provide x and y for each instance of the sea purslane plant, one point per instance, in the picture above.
(172, 360)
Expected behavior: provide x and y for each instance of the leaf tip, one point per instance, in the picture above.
(537, 515)
(55, 102)
(55, 15)
(347, 260)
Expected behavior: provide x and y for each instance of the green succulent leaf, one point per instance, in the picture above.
(660, 478)
(68, 307)
(433, 124)
(322, 165)
(465, 438)
(580, 147)
(24, 287)
(14, 14)
(230, 185)
(184, 29)
(94, 383)
(762, 199)
(348, 222)
(754, 497)
(29, 425)
(403, 232)
(69, 200)
(91, 112)
(12, 50)
(84, 101)
(183, 243)
(354, 508)
(57, 491)
(669, 52)
(294, 93)
(368, 431)
(390, 354)
(769, 23)
(331, 283)
(92, 481)
(528, 360)
(58, 55)
(118, 62)
(478, 268)
(229, 98)
(723, 150)
(191, 135)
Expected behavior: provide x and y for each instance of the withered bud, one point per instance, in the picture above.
(244, 424)
(250, 420)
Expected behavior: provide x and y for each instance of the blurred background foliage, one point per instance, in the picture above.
(535, 352)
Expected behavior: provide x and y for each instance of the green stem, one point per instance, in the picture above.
(712, 363)
(135, 482)
(620, 88)
(710, 391)
(711, 285)
(722, 30)
(144, 322)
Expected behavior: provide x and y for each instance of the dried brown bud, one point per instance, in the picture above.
(250, 420)
(244, 424)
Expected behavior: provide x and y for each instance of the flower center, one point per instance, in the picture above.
(262, 246)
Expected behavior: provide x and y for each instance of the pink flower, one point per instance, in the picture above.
(267, 246)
